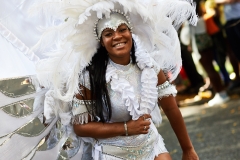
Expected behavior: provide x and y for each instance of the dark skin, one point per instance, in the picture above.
(118, 44)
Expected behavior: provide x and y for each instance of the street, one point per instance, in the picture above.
(214, 131)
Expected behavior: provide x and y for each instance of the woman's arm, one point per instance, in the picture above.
(107, 130)
(175, 118)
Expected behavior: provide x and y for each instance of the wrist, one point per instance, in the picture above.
(188, 149)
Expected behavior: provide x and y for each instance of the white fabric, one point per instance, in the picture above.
(24, 145)
(12, 62)
(157, 120)
(4, 100)
(49, 103)
(15, 18)
(80, 112)
(79, 109)
(17, 43)
(65, 118)
(82, 118)
(169, 91)
(150, 145)
(7, 122)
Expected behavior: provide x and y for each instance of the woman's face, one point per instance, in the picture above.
(118, 43)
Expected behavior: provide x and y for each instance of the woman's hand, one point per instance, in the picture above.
(190, 155)
(139, 126)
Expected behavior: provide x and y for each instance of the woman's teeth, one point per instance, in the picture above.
(119, 44)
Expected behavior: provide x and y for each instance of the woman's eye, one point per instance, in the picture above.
(124, 29)
(108, 34)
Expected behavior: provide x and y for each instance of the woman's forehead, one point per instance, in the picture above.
(111, 29)
(112, 22)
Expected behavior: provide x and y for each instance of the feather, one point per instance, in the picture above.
(72, 49)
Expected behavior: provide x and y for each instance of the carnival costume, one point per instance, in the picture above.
(69, 42)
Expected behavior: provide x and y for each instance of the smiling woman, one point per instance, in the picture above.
(123, 96)
(118, 43)
(108, 72)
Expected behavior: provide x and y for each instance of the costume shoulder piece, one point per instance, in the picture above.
(24, 132)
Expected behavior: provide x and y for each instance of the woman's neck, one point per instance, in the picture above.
(121, 60)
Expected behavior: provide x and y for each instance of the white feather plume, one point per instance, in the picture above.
(73, 43)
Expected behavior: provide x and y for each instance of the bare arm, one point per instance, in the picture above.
(107, 130)
(99, 130)
(175, 118)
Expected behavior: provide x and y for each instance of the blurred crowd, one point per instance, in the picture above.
(211, 52)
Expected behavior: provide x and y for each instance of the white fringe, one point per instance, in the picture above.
(169, 91)
(82, 118)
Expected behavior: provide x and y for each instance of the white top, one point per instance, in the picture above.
(132, 74)
(144, 146)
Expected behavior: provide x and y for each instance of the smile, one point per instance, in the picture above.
(119, 44)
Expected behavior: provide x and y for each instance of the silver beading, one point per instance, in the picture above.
(163, 86)
(166, 89)
(80, 112)
(78, 102)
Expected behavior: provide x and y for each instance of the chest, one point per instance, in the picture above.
(119, 110)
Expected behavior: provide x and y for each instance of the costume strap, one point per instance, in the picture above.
(166, 89)
(80, 112)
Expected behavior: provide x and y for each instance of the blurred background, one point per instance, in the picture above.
(210, 54)
(209, 84)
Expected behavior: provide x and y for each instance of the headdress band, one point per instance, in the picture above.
(113, 22)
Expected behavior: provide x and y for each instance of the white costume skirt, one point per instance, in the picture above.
(137, 147)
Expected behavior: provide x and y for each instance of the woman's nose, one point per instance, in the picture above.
(117, 35)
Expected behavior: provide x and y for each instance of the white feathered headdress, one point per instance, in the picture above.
(73, 40)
